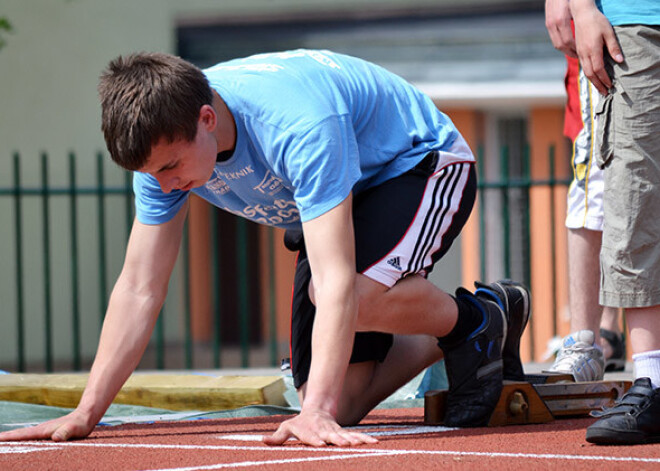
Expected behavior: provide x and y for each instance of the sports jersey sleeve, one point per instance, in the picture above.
(323, 166)
(152, 205)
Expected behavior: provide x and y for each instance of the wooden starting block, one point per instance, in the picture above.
(548, 378)
(540, 399)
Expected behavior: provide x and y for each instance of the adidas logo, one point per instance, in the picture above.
(394, 261)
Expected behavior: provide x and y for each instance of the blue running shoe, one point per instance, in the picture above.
(474, 366)
(515, 300)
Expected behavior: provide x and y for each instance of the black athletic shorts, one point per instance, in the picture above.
(383, 218)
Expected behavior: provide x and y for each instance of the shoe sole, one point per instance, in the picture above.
(606, 436)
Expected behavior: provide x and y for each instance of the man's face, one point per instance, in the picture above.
(183, 165)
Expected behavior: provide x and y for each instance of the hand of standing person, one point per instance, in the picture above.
(558, 22)
(594, 36)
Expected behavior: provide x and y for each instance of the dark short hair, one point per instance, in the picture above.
(146, 97)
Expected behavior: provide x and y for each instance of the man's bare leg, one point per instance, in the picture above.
(580, 353)
(413, 305)
(644, 328)
(368, 383)
(609, 321)
(584, 282)
(417, 312)
(584, 279)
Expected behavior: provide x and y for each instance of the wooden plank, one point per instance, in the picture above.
(580, 398)
(174, 392)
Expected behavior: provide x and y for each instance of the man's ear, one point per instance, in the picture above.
(208, 118)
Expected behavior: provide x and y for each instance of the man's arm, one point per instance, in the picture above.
(329, 241)
(132, 312)
(558, 23)
(593, 34)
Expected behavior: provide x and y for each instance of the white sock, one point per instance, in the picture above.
(647, 365)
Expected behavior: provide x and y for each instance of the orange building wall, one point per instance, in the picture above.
(284, 262)
(548, 273)
(199, 263)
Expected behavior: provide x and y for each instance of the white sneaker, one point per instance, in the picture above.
(578, 356)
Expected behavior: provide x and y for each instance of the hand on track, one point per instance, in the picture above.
(316, 428)
(73, 425)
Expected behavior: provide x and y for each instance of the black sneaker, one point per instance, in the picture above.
(514, 299)
(474, 367)
(634, 419)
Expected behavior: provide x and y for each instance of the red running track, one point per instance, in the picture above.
(405, 443)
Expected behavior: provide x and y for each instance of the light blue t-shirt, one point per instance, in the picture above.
(630, 12)
(311, 127)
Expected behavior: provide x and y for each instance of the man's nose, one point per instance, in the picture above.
(167, 183)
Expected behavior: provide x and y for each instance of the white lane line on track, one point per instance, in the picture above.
(5, 450)
(242, 438)
(346, 451)
(400, 430)
(158, 446)
(408, 430)
(244, 464)
(414, 452)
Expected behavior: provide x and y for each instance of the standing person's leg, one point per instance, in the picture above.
(580, 353)
(611, 321)
(586, 311)
(584, 278)
(612, 340)
(630, 255)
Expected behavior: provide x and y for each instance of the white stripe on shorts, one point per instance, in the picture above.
(440, 202)
(585, 194)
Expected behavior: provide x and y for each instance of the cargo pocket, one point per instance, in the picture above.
(604, 138)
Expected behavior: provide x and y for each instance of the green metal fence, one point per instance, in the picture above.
(26, 286)
(57, 281)
(513, 224)
(41, 263)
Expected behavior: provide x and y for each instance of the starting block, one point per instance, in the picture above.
(539, 399)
